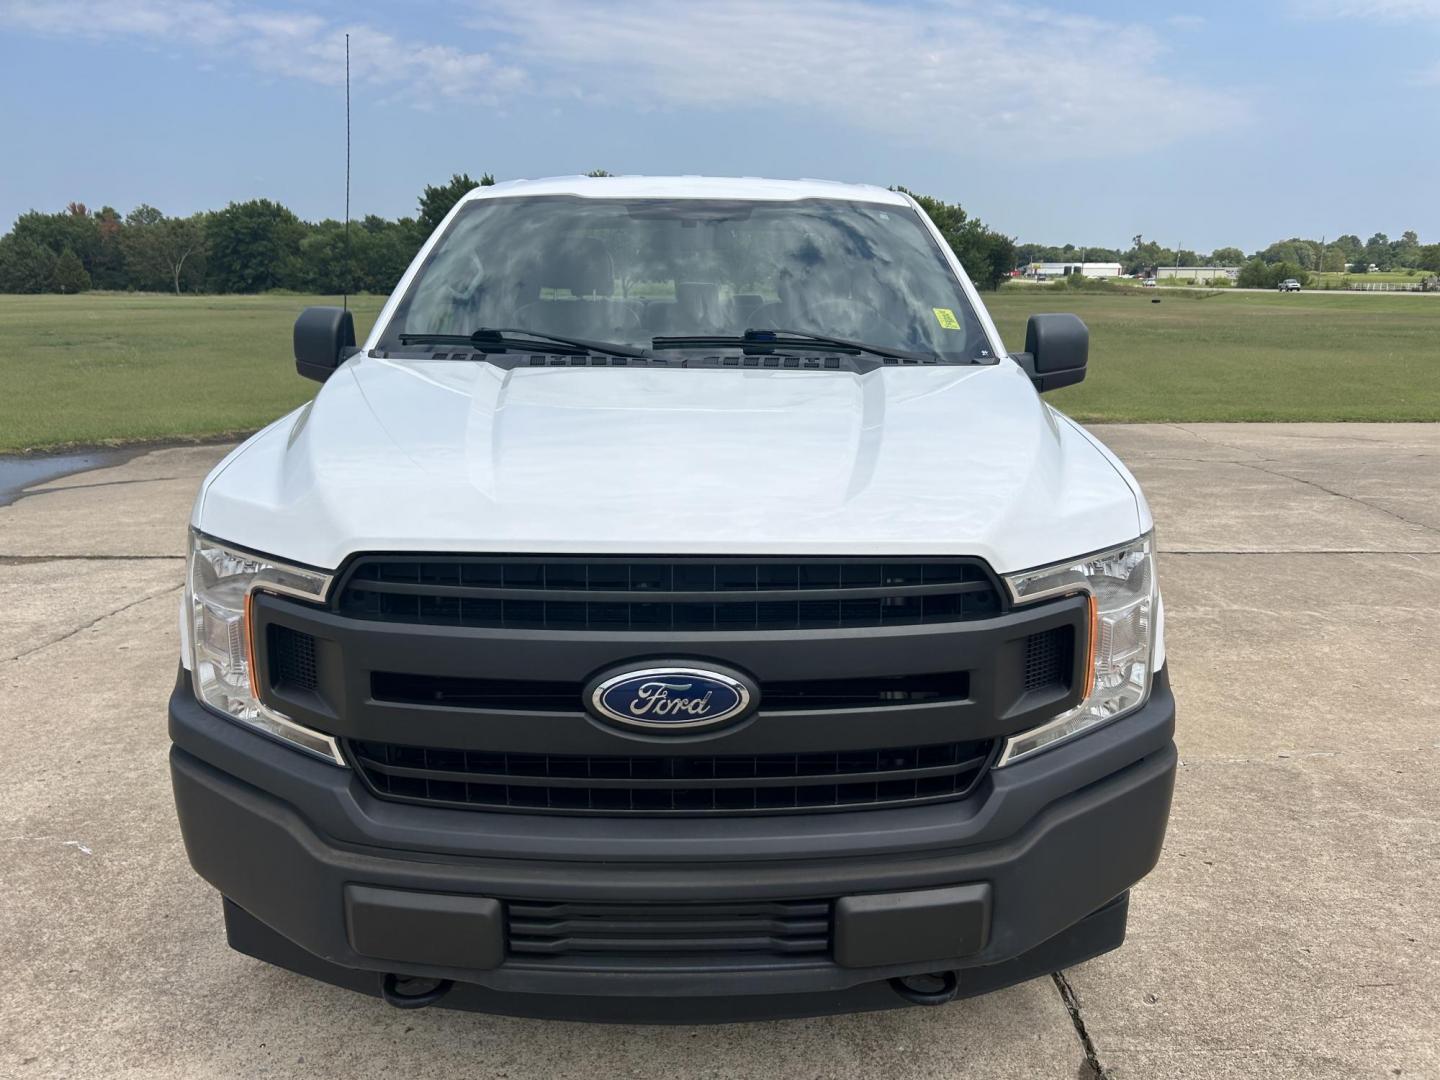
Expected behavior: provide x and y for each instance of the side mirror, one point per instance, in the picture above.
(1057, 348)
(324, 339)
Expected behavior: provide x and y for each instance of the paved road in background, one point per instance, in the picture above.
(1292, 928)
(1161, 290)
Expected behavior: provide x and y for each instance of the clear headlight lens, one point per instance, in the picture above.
(1124, 601)
(220, 584)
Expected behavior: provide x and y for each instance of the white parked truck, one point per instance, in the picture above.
(682, 605)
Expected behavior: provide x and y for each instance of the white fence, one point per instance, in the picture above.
(1393, 286)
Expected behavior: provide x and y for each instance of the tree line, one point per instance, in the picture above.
(1344, 253)
(247, 247)
(259, 245)
(987, 256)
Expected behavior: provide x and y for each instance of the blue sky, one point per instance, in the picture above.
(1232, 123)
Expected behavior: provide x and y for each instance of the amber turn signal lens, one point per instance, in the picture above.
(254, 669)
(1094, 608)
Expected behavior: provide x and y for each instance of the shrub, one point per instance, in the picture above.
(69, 275)
(25, 266)
(1258, 274)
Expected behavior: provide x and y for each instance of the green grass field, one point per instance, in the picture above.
(115, 368)
(1245, 356)
(104, 368)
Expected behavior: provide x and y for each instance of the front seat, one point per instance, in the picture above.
(587, 272)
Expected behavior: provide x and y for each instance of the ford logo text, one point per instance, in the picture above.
(670, 698)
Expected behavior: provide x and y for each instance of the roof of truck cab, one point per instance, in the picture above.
(689, 187)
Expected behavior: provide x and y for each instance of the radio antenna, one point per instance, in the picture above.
(345, 302)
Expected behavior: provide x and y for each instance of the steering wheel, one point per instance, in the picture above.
(533, 316)
(854, 319)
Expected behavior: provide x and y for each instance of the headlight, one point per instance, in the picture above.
(1123, 611)
(220, 586)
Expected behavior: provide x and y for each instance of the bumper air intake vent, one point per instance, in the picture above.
(544, 932)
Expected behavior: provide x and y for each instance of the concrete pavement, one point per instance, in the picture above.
(1291, 929)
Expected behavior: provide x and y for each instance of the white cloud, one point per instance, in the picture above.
(1025, 82)
(290, 44)
(1390, 11)
(1025, 85)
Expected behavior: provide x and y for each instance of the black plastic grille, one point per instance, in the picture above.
(666, 594)
(465, 692)
(541, 932)
(1048, 658)
(671, 784)
(292, 659)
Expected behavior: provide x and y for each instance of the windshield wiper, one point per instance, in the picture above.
(766, 340)
(503, 339)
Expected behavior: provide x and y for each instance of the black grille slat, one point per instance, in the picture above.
(714, 596)
(677, 782)
(619, 928)
(564, 909)
(540, 931)
(695, 594)
(671, 784)
(465, 692)
(521, 941)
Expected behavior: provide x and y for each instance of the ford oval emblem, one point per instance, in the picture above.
(671, 698)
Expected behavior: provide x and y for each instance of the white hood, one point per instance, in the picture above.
(431, 455)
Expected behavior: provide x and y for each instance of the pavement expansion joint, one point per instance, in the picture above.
(1167, 552)
(1288, 476)
(98, 619)
(1338, 494)
(1092, 1070)
(1214, 442)
(20, 560)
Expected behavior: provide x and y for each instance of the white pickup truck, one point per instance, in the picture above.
(680, 606)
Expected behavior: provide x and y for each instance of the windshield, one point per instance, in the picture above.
(626, 271)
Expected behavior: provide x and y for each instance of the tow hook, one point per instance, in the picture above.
(390, 991)
(927, 993)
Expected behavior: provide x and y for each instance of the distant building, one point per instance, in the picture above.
(1197, 273)
(1044, 271)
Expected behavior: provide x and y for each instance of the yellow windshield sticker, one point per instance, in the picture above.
(946, 318)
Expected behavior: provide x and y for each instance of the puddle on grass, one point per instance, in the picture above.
(21, 471)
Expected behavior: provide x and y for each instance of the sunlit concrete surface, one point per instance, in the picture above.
(1292, 928)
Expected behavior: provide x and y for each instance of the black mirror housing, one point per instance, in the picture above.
(1057, 348)
(324, 339)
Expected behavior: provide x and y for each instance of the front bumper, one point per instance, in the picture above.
(1027, 875)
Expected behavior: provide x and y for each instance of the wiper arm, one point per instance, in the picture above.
(503, 339)
(505, 335)
(766, 340)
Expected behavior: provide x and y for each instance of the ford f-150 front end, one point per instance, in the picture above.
(679, 607)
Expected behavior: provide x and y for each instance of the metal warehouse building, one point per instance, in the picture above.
(1044, 270)
(1198, 273)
